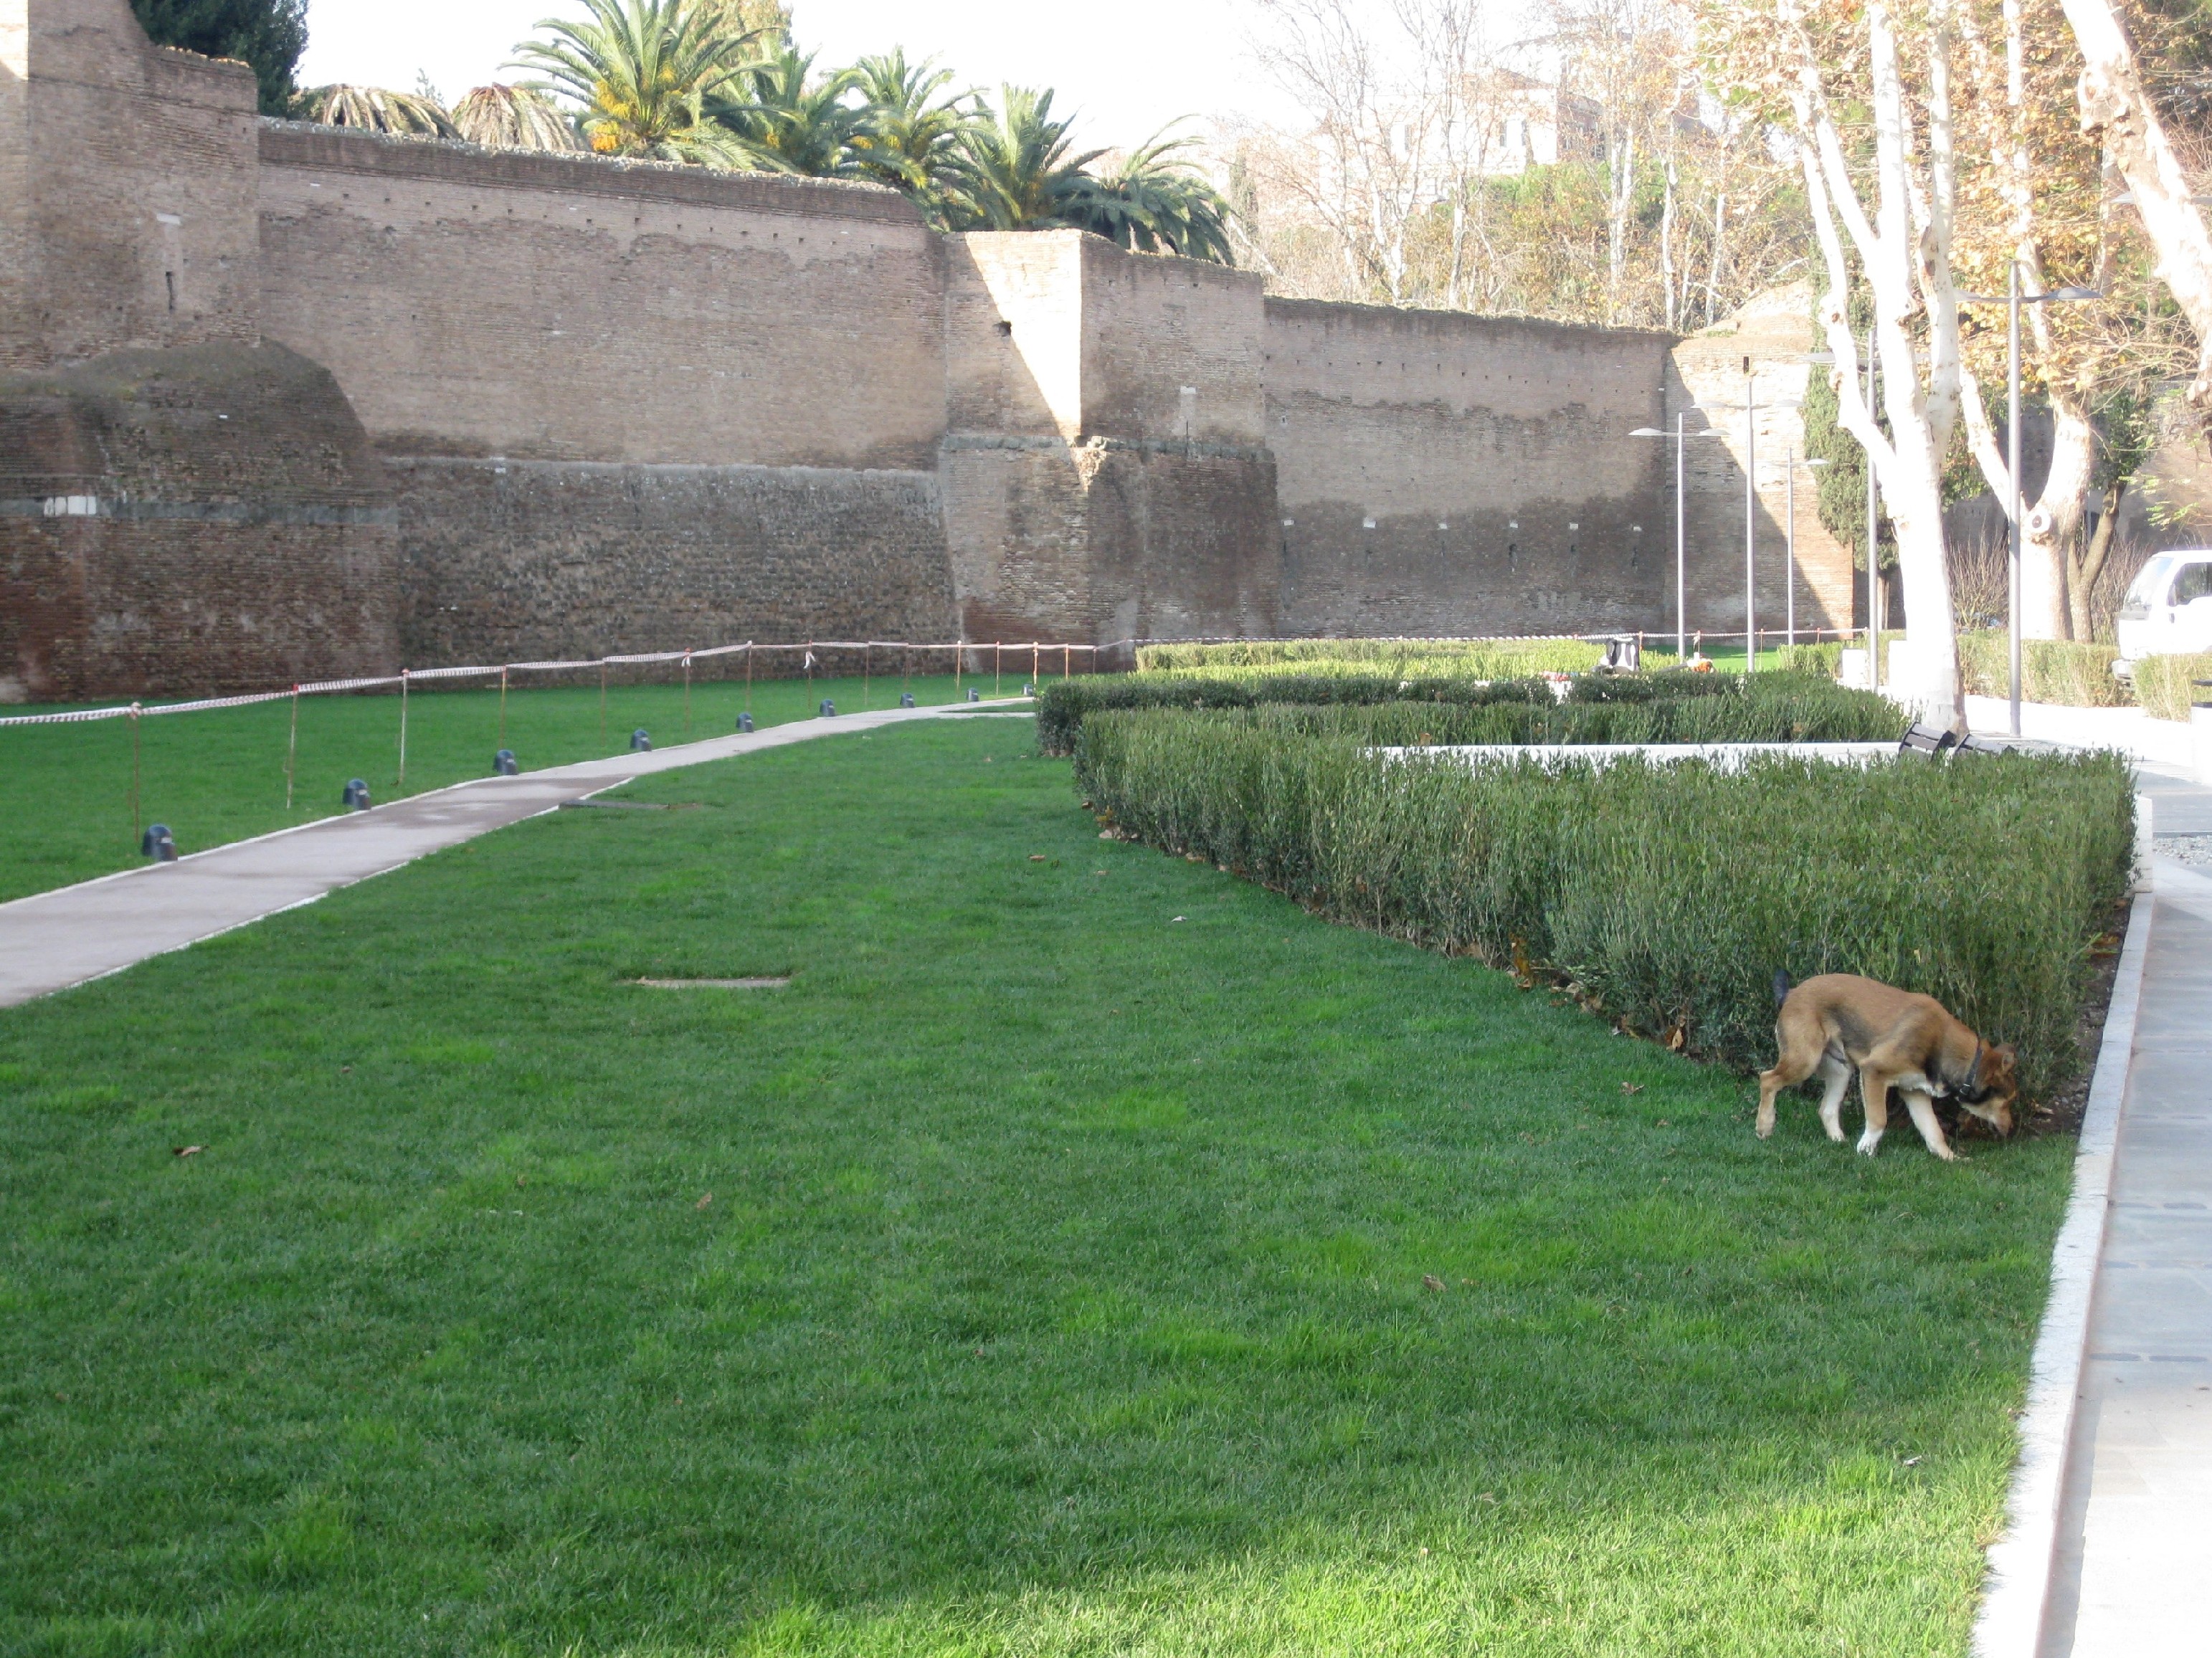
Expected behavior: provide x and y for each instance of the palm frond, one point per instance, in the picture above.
(513, 117)
(376, 109)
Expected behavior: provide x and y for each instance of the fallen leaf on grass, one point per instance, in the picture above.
(1430, 1281)
(1179, 918)
(186, 1151)
(1663, 1123)
(1631, 1088)
(519, 1181)
(704, 1201)
(1911, 1461)
(1036, 858)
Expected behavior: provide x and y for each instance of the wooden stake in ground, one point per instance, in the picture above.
(602, 707)
(137, 833)
(503, 708)
(403, 728)
(867, 650)
(686, 695)
(292, 751)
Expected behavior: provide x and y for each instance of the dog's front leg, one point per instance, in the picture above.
(1873, 1093)
(1931, 1130)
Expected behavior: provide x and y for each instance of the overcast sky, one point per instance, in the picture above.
(1128, 68)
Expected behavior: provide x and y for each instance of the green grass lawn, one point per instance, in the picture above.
(1042, 1271)
(65, 806)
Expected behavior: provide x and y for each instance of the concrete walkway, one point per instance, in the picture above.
(2135, 1533)
(52, 940)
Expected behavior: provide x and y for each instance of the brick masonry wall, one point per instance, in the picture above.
(533, 306)
(200, 520)
(127, 188)
(1440, 474)
(511, 560)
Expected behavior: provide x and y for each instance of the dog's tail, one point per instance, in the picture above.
(1781, 986)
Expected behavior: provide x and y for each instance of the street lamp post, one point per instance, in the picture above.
(1680, 437)
(1750, 520)
(2014, 298)
(1790, 465)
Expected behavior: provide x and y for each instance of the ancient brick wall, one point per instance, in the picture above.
(1105, 473)
(515, 561)
(1439, 473)
(127, 214)
(204, 520)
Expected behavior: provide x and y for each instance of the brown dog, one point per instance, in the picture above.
(1897, 1040)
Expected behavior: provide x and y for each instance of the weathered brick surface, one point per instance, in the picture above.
(204, 519)
(1441, 473)
(512, 560)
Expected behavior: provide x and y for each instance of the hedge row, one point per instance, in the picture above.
(2163, 684)
(1404, 659)
(1669, 708)
(1665, 897)
(2076, 673)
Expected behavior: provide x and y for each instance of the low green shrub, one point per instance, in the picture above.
(2163, 684)
(1405, 659)
(2075, 673)
(1666, 708)
(1062, 705)
(1665, 897)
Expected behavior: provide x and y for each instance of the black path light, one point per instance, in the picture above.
(356, 797)
(640, 743)
(745, 722)
(2012, 299)
(503, 763)
(906, 699)
(158, 844)
(829, 709)
(974, 695)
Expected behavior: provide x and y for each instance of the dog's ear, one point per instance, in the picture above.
(2006, 1057)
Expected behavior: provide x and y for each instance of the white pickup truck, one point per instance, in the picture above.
(2168, 608)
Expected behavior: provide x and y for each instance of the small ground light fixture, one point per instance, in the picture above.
(503, 763)
(640, 743)
(745, 722)
(158, 844)
(906, 699)
(356, 797)
(829, 709)
(974, 695)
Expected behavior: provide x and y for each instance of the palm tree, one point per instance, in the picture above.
(1021, 176)
(912, 138)
(376, 109)
(512, 117)
(1155, 202)
(795, 121)
(650, 76)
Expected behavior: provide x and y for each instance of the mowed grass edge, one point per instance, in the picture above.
(1039, 1273)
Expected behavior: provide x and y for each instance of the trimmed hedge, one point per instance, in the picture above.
(1665, 897)
(1063, 705)
(2076, 673)
(1668, 707)
(1404, 659)
(2163, 684)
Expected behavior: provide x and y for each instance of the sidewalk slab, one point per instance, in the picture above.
(52, 940)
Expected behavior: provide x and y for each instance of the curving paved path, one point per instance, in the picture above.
(52, 940)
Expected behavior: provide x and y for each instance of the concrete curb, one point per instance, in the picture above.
(2016, 1591)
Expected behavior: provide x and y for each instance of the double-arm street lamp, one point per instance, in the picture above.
(2013, 300)
(1681, 438)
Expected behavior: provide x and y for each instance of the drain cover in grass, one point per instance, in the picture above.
(715, 984)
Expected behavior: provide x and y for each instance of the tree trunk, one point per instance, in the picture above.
(1666, 242)
(2116, 109)
(2052, 525)
(2083, 571)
